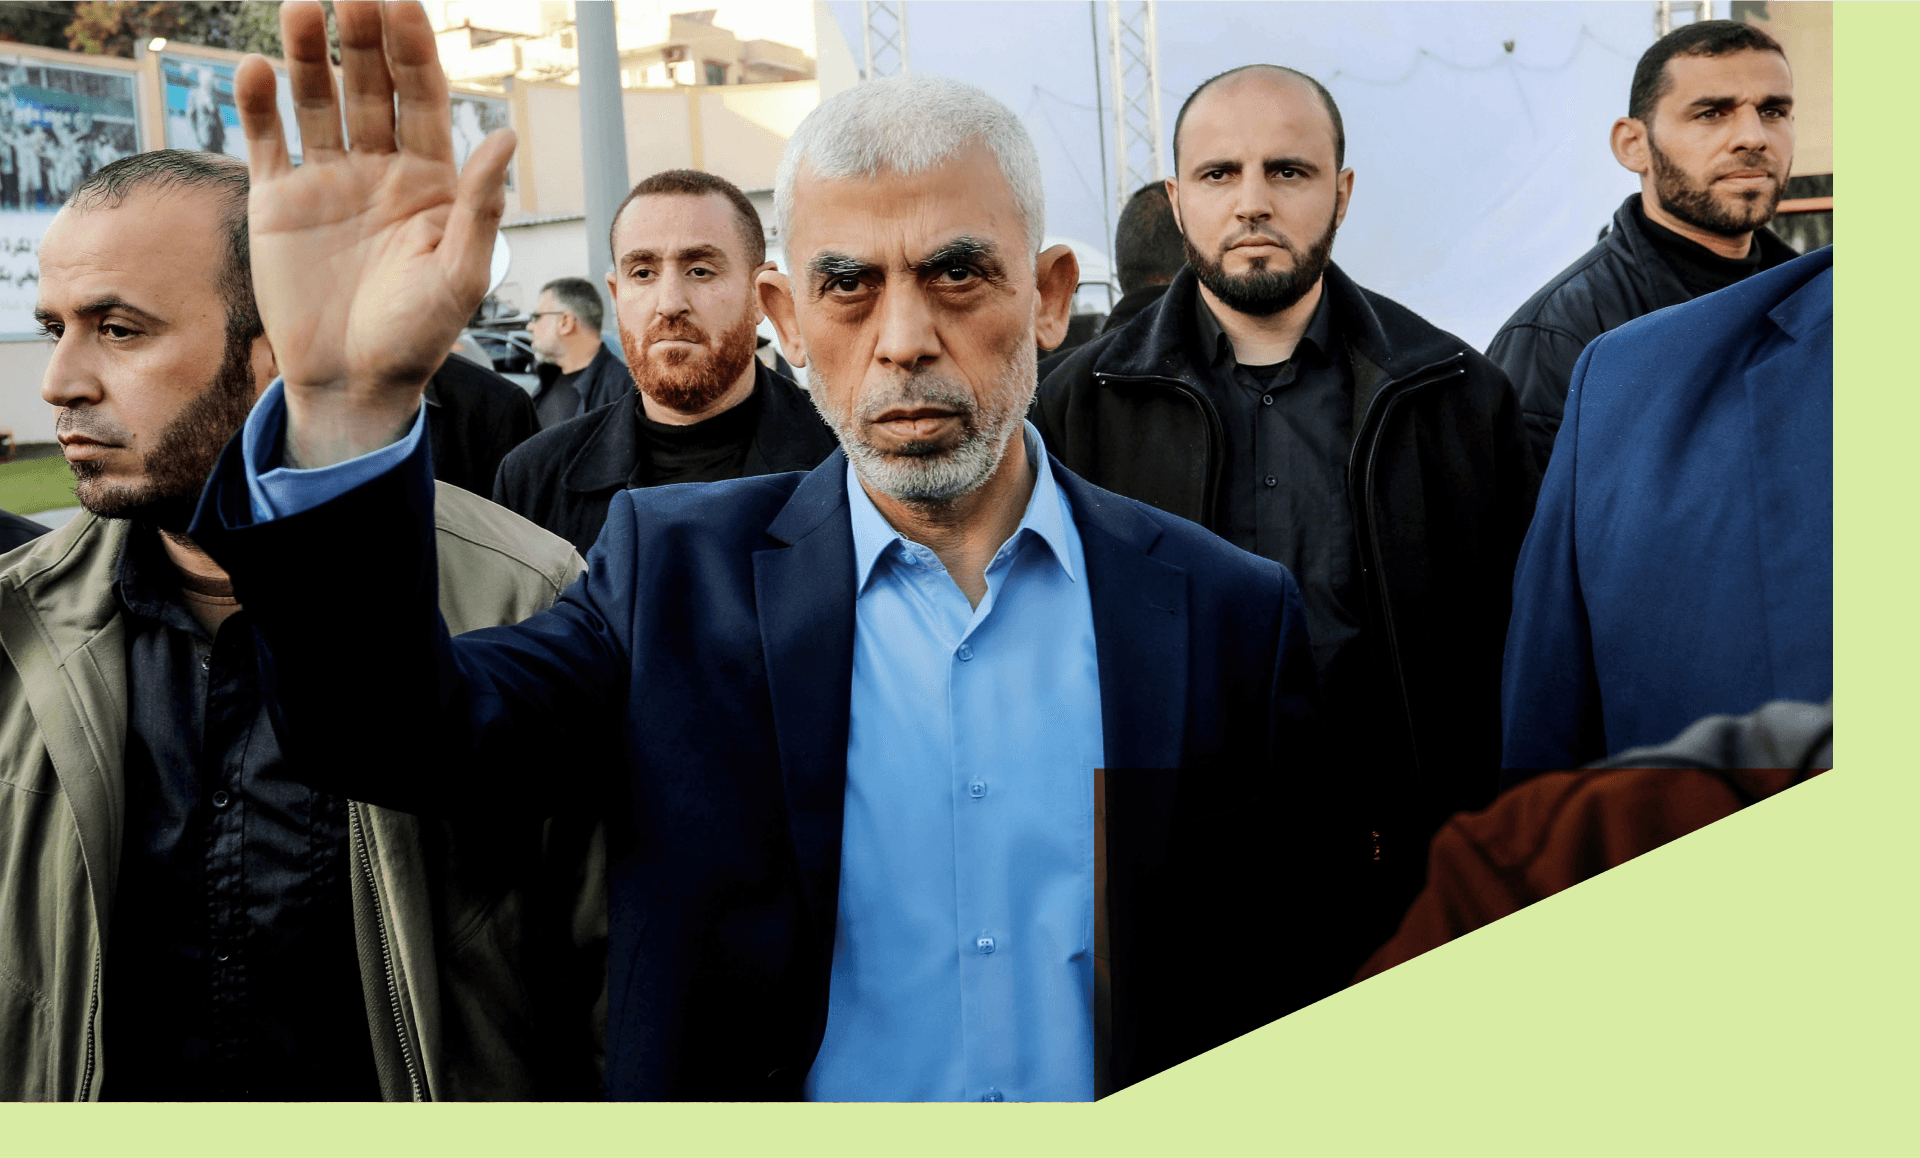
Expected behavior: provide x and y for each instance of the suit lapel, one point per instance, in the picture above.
(1789, 399)
(1139, 629)
(805, 595)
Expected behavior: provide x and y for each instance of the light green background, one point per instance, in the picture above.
(1747, 990)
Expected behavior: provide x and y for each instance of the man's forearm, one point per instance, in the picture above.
(327, 426)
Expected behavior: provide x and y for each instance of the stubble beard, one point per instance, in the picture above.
(1697, 205)
(931, 473)
(682, 380)
(183, 453)
(1263, 290)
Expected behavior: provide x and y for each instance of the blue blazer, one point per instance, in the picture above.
(1680, 561)
(694, 686)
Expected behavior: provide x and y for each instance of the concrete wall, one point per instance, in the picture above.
(22, 366)
(542, 252)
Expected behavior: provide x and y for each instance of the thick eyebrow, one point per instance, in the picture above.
(1209, 166)
(712, 253)
(1724, 103)
(102, 305)
(827, 265)
(1270, 164)
(979, 252)
(1300, 163)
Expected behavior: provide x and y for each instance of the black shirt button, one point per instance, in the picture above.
(1272, 482)
(1266, 400)
(221, 799)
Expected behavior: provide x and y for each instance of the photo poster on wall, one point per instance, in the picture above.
(201, 113)
(473, 118)
(58, 125)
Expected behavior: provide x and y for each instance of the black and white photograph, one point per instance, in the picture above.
(57, 126)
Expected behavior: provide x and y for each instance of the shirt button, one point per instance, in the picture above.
(221, 799)
(1272, 482)
(993, 1095)
(977, 789)
(965, 653)
(220, 955)
(985, 945)
(206, 662)
(1266, 400)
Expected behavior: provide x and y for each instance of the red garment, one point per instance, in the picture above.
(1555, 831)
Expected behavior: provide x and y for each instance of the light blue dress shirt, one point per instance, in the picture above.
(963, 955)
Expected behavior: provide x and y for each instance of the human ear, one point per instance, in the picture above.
(1630, 145)
(1056, 275)
(775, 292)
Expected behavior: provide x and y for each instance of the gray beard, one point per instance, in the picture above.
(926, 474)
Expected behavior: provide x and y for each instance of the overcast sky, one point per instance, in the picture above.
(1479, 172)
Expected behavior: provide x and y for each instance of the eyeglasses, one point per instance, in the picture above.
(538, 314)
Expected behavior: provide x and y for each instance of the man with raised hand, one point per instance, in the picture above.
(861, 846)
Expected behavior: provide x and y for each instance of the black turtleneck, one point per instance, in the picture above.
(704, 452)
(1700, 269)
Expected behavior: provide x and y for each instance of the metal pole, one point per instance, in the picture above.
(866, 37)
(603, 137)
(1158, 167)
(900, 14)
(1117, 65)
(1100, 130)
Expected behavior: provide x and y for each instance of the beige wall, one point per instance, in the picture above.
(740, 131)
(1805, 29)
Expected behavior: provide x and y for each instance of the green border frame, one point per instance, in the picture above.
(1750, 989)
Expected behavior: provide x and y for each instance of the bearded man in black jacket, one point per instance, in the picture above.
(1720, 95)
(1272, 400)
(686, 248)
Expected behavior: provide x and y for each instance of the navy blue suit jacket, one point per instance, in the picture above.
(1680, 561)
(695, 685)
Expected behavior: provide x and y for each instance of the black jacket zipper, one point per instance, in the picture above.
(1216, 437)
(1360, 498)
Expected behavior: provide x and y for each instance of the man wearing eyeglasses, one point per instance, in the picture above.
(578, 371)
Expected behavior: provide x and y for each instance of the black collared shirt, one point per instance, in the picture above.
(1283, 481)
(231, 971)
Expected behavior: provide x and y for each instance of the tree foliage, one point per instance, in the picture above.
(113, 27)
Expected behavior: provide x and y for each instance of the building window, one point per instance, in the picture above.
(716, 72)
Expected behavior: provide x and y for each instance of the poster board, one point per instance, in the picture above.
(60, 122)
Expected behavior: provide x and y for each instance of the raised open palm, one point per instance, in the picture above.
(367, 260)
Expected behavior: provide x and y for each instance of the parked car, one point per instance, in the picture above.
(512, 355)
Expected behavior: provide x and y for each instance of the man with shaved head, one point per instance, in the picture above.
(933, 773)
(1270, 399)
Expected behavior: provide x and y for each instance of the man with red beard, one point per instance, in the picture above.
(1709, 129)
(686, 248)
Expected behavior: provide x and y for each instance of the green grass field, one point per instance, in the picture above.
(35, 484)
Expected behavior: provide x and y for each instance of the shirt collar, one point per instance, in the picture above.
(1218, 348)
(1046, 517)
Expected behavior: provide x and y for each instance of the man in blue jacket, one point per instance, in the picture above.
(849, 726)
(1680, 562)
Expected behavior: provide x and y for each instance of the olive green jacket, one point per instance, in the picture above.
(482, 945)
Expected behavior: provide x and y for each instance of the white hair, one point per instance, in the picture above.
(906, 125)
